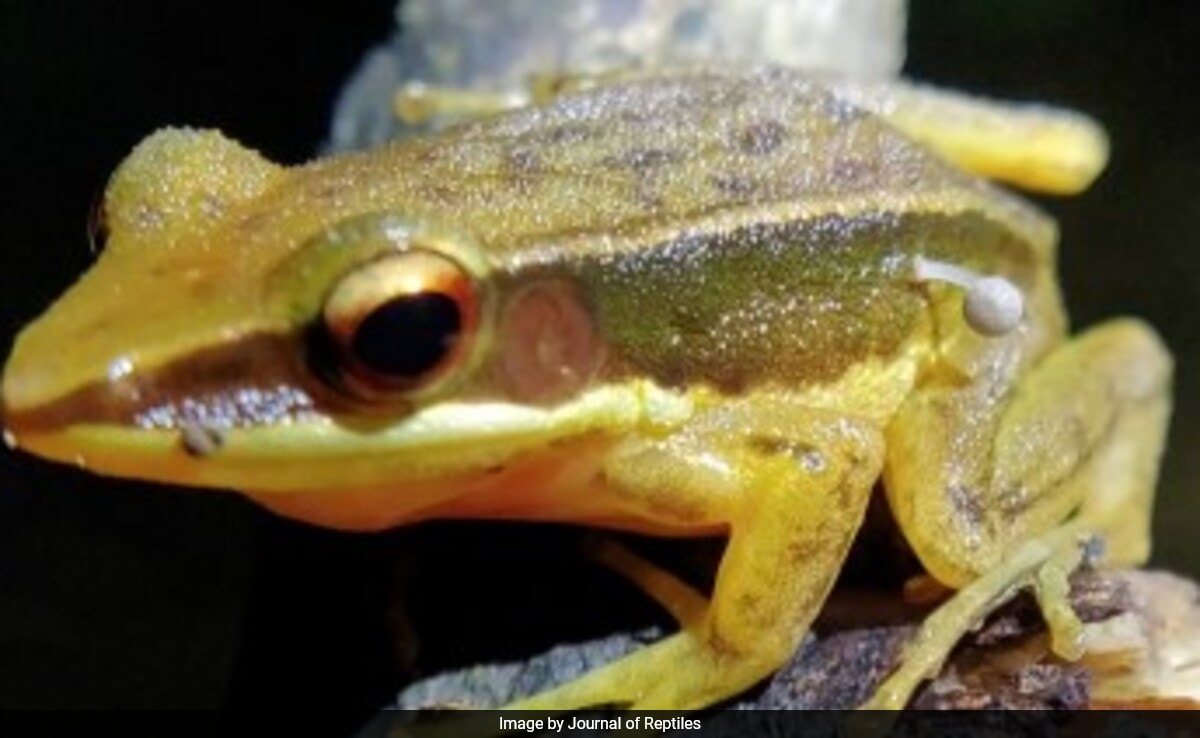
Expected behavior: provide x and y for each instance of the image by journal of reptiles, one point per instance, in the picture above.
(678, 304)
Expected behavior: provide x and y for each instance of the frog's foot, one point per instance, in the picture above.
(1052, 586)
(1045, 563)
(981, 488)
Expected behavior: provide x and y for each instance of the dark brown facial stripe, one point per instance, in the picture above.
(258, 380)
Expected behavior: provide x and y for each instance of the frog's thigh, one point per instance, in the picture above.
(792, 485)
(1033, 147)
(1082, 433)
(969, 477)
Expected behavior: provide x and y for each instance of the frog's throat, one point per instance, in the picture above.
(325, 453)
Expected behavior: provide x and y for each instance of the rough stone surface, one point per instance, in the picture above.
(1006, 664)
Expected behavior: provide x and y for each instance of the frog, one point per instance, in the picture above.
(705, 303)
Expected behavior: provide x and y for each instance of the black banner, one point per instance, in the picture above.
(781, 723)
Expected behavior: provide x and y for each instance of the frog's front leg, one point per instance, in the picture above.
(996, 485)
(791, 484)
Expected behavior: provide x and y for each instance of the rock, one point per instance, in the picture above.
(1143, 649)
(498, 47)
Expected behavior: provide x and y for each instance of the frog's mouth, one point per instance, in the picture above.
(453, 459)
(320, 452)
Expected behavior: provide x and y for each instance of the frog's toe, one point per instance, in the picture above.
(1044, 562)
(1053, 589)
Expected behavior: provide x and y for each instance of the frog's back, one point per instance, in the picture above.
(728, 229)
(659, 154)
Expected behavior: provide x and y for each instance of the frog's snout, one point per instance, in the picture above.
(10, 437)
(16, 422)
(7, 427)
(27, 389)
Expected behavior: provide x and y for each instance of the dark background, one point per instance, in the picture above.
(119, 595)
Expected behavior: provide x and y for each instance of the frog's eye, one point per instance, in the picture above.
(401, 323)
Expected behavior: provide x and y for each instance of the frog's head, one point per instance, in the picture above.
(244, 328)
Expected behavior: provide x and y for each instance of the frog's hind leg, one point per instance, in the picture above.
(1031, 146)
(1048, 556)
(995, 496)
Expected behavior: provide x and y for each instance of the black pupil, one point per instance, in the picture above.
(406, 337)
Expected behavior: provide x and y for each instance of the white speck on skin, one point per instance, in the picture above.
(813, 461)
(80, 461)
(119, 369)
(714, 463)
(10, 439)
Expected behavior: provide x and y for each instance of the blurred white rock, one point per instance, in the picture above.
(498, 46)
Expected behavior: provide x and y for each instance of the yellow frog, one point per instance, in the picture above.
(685, 304)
